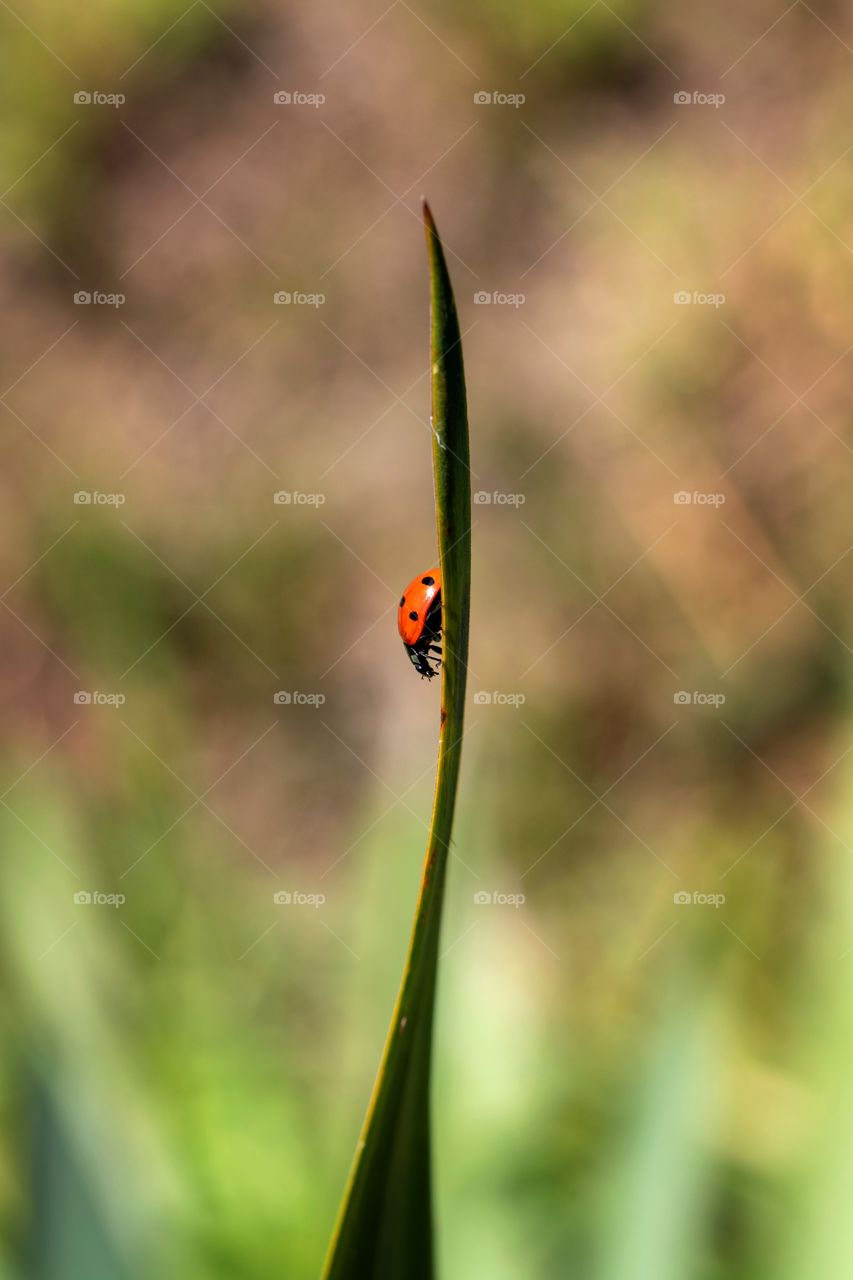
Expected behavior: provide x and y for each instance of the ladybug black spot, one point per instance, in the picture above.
(427, 581)
(413, 616)
(402, 601)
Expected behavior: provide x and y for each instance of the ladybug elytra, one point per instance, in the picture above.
(419, 622)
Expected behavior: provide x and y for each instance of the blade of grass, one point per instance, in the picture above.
(384, 1227)
(657, 1206)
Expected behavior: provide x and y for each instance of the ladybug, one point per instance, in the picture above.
(419, 622)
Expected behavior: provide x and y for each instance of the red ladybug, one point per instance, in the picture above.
(419, 622)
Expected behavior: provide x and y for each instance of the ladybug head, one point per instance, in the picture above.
(421, 661)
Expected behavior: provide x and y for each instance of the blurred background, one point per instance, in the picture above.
(217, 761)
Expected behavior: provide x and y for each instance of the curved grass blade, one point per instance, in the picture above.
(384, 1229)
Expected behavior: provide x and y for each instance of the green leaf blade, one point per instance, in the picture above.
(385, 1224)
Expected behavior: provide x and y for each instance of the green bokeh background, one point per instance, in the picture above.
(628, 1087)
